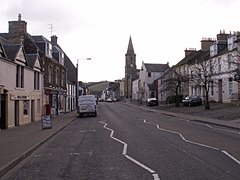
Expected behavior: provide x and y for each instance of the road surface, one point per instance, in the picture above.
(128, 143)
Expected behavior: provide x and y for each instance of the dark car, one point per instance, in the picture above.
(152, 102)
(192, 100)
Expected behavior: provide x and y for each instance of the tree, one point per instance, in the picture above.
(202, 74)
(174, 82)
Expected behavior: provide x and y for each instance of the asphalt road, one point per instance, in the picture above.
(127, 143)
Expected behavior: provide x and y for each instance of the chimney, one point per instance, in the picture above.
(189, 51)
(17, 30)
(54, 40)
(222, 36)
(206, 43)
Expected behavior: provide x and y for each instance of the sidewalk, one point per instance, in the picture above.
(19, 142)
(224, 115)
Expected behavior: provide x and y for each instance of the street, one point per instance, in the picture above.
(126, 142)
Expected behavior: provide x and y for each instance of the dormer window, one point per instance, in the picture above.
(213, 49)
(232, 42)
(49, 49)
(61, 58)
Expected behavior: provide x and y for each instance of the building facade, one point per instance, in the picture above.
(21, 92)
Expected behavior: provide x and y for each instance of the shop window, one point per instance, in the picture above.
(25, 107)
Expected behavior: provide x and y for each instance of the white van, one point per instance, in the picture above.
(87, 105)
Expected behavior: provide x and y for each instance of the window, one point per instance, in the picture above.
(149, 74)
(49, 49)
(57, 77)
(1, 52)
(38, 106)
(219, 64)
(212, 88)
(184, 70)
(20, 76)
(36, 80)
(61, 58)
(50, 74)
(230, 86)
(230, 61)
(25, 107)
(62, 78)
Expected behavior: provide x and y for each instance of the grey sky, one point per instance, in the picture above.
(160, 30)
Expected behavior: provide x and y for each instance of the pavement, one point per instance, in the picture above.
(19, 142)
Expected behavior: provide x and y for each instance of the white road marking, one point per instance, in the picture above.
(192, 142)
(83, 131)
(232, 157)
(155, 176)
(42, 155)
(90, 153)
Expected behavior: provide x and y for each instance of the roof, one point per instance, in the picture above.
(31, 59)
(71, 70)
(11, 50)
(130, 49)
(156, 67)
(151, 87)
(40, 38)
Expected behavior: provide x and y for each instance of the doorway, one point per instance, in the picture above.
(16, 105)
(32, 111)
(220, 90)
(2, 112)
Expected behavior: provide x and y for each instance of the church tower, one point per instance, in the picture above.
(130, 69)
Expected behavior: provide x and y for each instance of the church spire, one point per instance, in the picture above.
(130, 47)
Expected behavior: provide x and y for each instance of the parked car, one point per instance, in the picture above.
(87, 105)
(192, 100)
(109, 100)
(152, 102)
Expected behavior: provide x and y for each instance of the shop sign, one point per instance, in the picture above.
(19, 97)
(46, 122)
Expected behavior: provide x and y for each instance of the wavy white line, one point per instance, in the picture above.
(192, 142)
(155, 176)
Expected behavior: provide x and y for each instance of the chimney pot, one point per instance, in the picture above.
(19, 17)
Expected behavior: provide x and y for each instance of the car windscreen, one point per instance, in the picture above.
(86, 100)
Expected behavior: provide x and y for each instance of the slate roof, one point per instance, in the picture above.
(31, 59)
(71, 70)
(156, 67)
(130, 49)
(11, 50)
(194, 56)
(40, 38)
(151, 87)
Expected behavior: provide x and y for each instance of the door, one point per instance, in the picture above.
(16, 105)
(220, 90)
(2, 112)
(32, 111)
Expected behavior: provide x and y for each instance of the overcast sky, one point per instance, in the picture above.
(100, 29)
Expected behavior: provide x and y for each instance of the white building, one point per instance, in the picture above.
(21, 81)
(148, 74)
